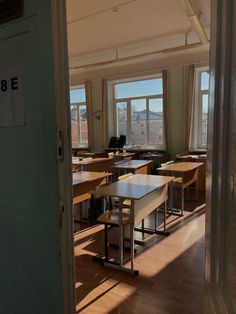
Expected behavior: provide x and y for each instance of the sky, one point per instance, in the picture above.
(139, 88)
(77, 95)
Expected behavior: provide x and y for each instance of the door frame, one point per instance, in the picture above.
(64, 152)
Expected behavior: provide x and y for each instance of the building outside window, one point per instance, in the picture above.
(200, 109)
(138, 111)
(79, 121)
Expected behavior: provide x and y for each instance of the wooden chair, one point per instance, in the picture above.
(117, 219)
(183, 182)
(187, 179)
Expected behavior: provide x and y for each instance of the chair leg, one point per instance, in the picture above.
(182, 201)
(132, 245)
(165, 208)
(155, 226)
(121, 250)
(106, 243)
(143, 228)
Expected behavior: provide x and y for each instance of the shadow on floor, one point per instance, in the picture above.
(178, 288)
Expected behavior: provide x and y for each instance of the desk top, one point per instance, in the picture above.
(132, 164)
(88, 176)
(89, 161)
(181, 166)
(134, 187)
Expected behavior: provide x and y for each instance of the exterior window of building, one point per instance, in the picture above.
(138, 111)
(200, 109)
(79, 122)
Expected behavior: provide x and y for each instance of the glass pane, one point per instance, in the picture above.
(138, 121)
(83, 125)
(204, 80)
(121, 115)
(156, 123)
(204, 118)
(77, 95)
(139, 88)
(74, 125)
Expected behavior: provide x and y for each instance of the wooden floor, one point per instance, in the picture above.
(171, 278)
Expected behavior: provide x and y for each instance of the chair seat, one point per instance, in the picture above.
(112, 217)
(127, 203)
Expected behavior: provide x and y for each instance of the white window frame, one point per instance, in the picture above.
(113, 115)
(78, 105)
(196, 137)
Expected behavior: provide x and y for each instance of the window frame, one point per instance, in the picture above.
(78, 105)
(128, 101)
(197, 129)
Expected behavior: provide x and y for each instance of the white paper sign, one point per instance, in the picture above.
(12, 102)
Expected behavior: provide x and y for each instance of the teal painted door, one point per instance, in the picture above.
(30, 270)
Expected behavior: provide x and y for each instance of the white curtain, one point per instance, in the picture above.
(165, 106)
(189, 99)
(104, 114)
(88, 91)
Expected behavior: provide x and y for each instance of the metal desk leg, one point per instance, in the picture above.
(171, 196)
(106, 259)
(121, 244)
(165, 215)
(143, 228)
(182, 201)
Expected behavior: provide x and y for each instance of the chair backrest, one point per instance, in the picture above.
(121, 141)
(113, 142)
(125, 176)
(167, 163)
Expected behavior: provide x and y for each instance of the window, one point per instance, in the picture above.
(79, 122)
(138, 111)
(200, 109)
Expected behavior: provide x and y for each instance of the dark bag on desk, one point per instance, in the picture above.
(113, 142)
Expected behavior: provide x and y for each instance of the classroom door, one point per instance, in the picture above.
(36, 259)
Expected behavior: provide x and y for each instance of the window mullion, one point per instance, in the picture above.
(147, 120)
(78, 124)
(129, 121)
(115, 117)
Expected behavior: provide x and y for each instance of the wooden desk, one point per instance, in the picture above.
(188, 172)
(140, 151)
(96, 164)
(85, 181)
(181, 167)
(122, 156)
(134, 166)
(146, 193)
(202, 169)
(157, 158)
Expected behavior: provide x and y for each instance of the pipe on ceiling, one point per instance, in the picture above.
(123, 59)
(195, 21)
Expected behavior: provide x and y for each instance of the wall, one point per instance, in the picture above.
(30, 259)
(175, 64)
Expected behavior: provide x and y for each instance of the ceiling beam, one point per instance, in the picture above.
(195, 21)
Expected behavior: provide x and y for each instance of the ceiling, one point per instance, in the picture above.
(98, 29)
